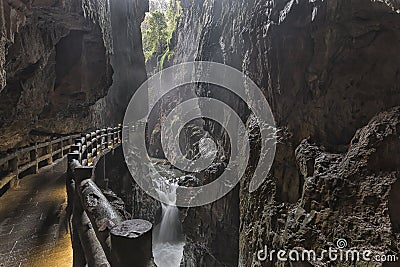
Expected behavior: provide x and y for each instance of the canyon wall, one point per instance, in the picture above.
(60, 59)
(330, 72)
(128, 59)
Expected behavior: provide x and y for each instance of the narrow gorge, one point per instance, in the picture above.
(328, 69)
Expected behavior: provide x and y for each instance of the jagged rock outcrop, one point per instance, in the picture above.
(350, 195)
(326, 68)
(345, 196)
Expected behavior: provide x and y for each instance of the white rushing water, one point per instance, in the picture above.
(168, 240)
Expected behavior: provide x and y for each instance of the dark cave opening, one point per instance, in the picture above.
(68, 61)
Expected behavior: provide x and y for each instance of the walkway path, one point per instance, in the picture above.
(32, 221)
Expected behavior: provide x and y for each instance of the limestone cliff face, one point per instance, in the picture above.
(55, 59)
(128, 59)
(327, 68)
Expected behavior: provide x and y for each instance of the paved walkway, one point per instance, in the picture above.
(32, 221)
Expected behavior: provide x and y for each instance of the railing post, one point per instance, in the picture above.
(77, 149)
(89, 144)
(13, 167)
(109, 137)
(112, 137)
(115, 140)
(98, 142)
(104, 139)
(70, 142)
(120, 134)
(62, 148)
(34, 157)
(85, 151)
(94, 144)
(74, 156)
(50, 152)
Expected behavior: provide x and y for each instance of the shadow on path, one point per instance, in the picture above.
(32, 221)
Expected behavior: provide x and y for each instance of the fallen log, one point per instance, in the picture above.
(94, 253)
(100, 212)
(82, 227)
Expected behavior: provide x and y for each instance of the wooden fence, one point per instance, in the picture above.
(33, 158)
(100, 236)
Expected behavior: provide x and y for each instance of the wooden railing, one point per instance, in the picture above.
(33, 158)
(100, 236)
(88, 146)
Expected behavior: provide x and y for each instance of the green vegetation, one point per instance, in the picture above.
(173, 16)
(166, 56)
(155, 37)
(157, 30)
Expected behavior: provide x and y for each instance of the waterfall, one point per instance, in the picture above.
(168, 240)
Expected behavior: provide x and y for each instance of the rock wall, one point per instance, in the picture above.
(128, 59)
(56, 66)
(327, 68)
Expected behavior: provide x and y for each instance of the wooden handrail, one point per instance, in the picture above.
(112, 235)
(92, 223)
(89, 145)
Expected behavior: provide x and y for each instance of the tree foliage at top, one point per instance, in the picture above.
(157, 29)
(155, 35)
